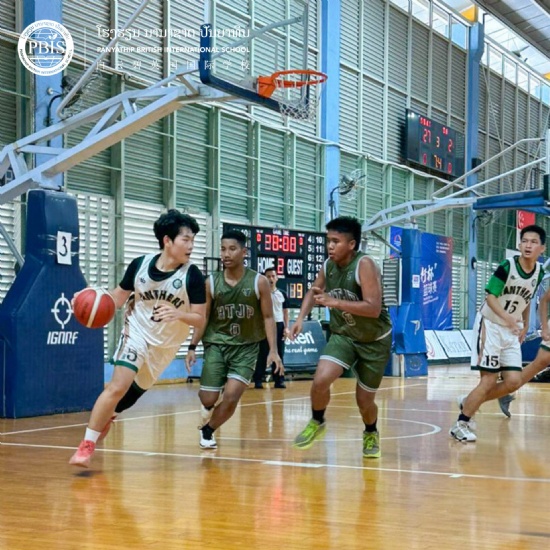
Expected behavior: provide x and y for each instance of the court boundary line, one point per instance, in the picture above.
(207, 455)
(194, 411)
(275, 402)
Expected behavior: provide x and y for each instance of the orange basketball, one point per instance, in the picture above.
(94, 307)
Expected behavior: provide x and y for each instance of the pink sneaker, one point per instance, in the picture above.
(105, 430)
(83, 454)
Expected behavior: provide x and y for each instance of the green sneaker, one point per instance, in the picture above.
(371, 445)
(314, 430)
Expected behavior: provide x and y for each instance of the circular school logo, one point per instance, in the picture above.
(45, 47)
(177, 283)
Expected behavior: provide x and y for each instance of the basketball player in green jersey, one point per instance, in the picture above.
(500, 326)
(239, 316)
(350, 285)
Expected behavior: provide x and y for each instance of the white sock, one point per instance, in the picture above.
(91, 435)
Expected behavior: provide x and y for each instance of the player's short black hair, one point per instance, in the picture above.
(238, 236)
(170, 224)
(272, 268)
(349, 225)
(534, 229)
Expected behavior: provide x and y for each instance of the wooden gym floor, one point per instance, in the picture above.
(150, 486)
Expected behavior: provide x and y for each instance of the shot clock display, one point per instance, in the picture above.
(297, 255)
(433, 145)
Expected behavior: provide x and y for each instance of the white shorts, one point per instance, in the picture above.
(494, 347)
(149, 362)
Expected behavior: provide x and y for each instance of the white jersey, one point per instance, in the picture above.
(514, 290)
(149, 295)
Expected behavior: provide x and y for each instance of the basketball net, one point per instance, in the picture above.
(296, 90)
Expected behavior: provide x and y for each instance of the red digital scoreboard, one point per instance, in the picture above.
(297, 256)
(434, 146)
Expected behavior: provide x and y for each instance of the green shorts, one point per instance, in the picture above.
(222, 362)
(367, 361)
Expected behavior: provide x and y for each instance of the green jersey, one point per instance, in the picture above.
(235, 314)
(343, 283)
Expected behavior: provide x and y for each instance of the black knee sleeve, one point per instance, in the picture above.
(130, 397)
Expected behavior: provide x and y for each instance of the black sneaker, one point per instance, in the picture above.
(280, 385)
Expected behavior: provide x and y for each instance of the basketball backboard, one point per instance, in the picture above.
(237, 47)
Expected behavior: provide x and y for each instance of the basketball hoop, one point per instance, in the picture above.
(296, 90)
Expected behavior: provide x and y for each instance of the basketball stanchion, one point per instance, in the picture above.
(51, 363)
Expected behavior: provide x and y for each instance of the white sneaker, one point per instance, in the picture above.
(462, 432)
(207, 443)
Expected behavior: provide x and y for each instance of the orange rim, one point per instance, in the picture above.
(268, 84)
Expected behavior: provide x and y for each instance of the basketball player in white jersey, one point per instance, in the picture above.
(164, 295)
(500, 327)
(539, 363)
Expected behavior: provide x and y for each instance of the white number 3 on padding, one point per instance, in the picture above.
(63, 249)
